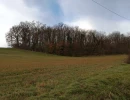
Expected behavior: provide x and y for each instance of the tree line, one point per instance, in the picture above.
(62, 39)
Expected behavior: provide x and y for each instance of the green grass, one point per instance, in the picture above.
(26, 75)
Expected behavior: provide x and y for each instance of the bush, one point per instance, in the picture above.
(128, 59)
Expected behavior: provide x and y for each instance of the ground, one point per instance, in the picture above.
(27, 75)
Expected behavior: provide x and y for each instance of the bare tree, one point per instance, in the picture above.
(65, 40)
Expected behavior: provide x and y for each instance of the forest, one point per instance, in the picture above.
(65, 40)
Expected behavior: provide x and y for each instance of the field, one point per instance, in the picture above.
(27, 75)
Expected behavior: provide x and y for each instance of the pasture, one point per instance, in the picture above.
(27, 75)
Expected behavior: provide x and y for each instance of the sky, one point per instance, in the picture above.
(83, 13)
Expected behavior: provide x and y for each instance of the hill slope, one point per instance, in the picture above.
(26, 75)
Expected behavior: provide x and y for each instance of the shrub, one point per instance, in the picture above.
(128, 59)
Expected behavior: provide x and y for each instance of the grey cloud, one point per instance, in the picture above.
(99, 17)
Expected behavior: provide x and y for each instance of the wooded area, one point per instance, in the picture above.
(66, 40)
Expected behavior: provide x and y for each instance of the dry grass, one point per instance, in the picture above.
(26, 75)
(20, 60)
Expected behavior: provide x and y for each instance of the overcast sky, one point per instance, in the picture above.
(83, 13)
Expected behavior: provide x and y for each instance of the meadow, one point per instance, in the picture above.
(28, 75)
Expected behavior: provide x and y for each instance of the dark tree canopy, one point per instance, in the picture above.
(65, 40)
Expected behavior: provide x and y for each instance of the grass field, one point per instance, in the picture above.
(26, 75)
